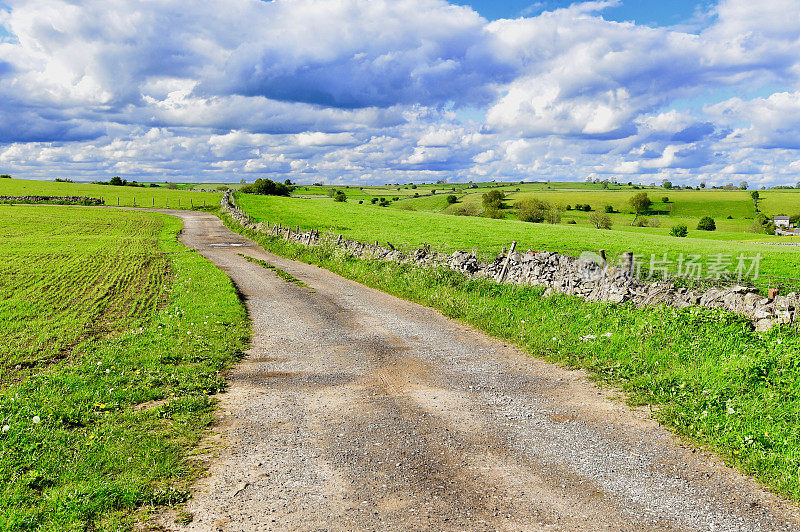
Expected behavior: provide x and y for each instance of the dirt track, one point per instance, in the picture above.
(355, 410)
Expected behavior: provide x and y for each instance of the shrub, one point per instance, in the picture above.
(374, 201)
(5, 176)
(223, 188)
(416, 194)
(665, 199)
(493, 199)
(414, 186)
(679, 230)
(171, 186)
(340, 196)
(268, 187)
(655, 222)
(493, 211)
(569, 207)
(706, 224)
(600, 220)
(641, 222)
(572, 222)
(609, 209)
(395, 198)
(451, 199)
(63, 180)
(532, 210)
(466, 210)
(360, 201)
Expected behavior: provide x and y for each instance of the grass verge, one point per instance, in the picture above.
(704, 372)
(94, 440)
(286, 276)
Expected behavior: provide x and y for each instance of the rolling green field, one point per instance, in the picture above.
(114, 338)
(410, 229)
(705, 373)
(143, 196)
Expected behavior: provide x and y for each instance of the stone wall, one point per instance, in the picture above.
(63, 200)
(589, 276)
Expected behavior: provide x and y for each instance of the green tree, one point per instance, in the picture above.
(600, 220)
(451, 199)
(641, 203)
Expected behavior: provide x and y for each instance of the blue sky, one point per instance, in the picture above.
(376, 91)
(647, 12)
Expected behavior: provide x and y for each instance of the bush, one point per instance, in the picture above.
(679, 230)
(223, 188)
(665, 199)
(493, 211)
(267, 187)
(493, 199)
(641, 222)
(416, 194)
(569, 207)
(395, 198)
(451, 199)
(340, 197)
(374, 201)
(609, 209)
(360, 201)
(466, 210)
(532, 210)
(571, 222)
(707, 224)
(63, 180)
(583, 208)
(5, 176)
(600, 220)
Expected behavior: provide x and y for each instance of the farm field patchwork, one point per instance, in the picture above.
(158, 197)
(114, 338)
(410, 229)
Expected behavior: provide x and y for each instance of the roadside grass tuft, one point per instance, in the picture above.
(704, 372)
(286, 276)
(98, 439)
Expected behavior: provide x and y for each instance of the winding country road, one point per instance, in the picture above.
(355, 410)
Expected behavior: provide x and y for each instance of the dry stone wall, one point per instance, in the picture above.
(589, 277)
(68, 200)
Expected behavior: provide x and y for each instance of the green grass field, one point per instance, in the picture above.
(410, 229)
(114, 338)
(705, 373)
(123, 196)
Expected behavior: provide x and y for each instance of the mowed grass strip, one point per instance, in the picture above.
(410, 229)
(705, 372)
(95, 439)
(158, 198)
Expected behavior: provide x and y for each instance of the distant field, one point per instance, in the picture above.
(114, 339)
(447, 233)
(144, 196)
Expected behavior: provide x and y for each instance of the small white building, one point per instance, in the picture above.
(781, 221)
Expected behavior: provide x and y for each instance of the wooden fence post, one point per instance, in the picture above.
(502, 275)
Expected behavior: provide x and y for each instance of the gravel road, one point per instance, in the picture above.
(355, 410)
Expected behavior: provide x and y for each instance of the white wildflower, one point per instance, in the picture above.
(588, 337)
(607, 335)
(6, 428)
(36, 419)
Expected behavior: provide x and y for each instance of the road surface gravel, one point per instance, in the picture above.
(356, 410)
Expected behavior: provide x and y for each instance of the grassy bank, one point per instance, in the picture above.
(119, 335)
(410, 229)
(707, 374)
